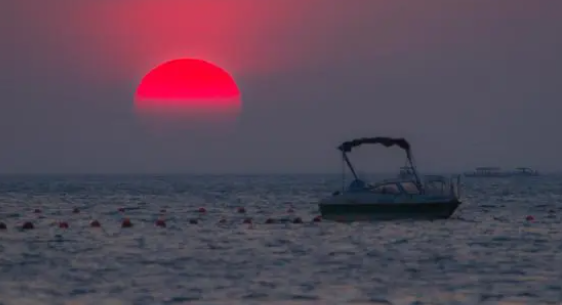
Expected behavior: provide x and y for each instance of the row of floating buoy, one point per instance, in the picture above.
(127, 223)
(240, 210)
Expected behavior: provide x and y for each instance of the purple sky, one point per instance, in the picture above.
(469, 83)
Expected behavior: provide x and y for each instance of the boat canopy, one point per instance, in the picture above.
(347, 146)
(386, 141)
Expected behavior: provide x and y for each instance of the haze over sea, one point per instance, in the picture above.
(488, 253)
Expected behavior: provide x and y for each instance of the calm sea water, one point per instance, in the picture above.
(487, 254)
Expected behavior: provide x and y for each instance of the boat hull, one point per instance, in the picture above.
(388, 211)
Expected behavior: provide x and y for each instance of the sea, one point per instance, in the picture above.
(502, 246)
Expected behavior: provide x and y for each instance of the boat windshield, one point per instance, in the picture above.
(357, 185)
(410, 188)
(390, 188)
(435, 186)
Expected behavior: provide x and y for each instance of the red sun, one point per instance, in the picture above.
(188, 90)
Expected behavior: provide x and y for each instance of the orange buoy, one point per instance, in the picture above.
(27, 225)
(63, 225)
(202, 210)
(95, 224)
(126, 223)
(241, 210)
(160, 223)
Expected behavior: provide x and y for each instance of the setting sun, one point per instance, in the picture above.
(189, 90)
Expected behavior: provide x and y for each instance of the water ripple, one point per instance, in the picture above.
(486, 254)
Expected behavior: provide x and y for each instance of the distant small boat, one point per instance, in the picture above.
(491, 171)
(408, 197)
(525, 171)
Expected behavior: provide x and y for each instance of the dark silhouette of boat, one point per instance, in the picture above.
(493, 171)
(407, 197)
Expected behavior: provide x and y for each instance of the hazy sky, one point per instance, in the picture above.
(468, 82)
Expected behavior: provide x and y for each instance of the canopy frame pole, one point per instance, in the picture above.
(342, 173)
(346, 159)
(415, 171)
